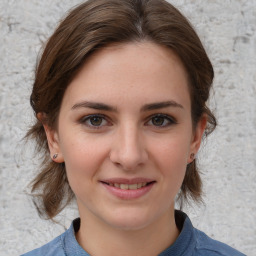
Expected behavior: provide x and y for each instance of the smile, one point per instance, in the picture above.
(128, 186)
(128, 189)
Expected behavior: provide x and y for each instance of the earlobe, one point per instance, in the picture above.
(52, 139)
(53, 143)
(197, 138)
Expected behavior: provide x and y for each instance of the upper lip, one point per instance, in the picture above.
(127, 181)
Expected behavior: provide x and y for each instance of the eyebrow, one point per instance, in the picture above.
(94, 105)
(159, 105)
(147, 107)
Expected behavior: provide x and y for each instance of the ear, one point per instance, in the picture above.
(53, 140)
(197, 137)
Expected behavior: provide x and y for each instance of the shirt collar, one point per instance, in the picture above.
(70, 244)
(184, 244)
(186, 241)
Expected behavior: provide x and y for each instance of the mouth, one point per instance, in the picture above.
(126, 186)
(128, 189)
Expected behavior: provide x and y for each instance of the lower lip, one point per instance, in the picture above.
(128, 194)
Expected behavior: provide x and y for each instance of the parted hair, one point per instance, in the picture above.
(87, 28)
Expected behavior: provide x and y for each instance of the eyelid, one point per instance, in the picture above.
(170, 118)
(84, 119)
(87, 117)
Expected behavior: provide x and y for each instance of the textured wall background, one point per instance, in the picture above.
(228, 158)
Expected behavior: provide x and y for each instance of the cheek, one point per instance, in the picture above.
(173, 163)
(171, 159)
(172, 150)
(83, 158)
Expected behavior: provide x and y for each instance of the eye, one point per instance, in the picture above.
(161, 120)
(94, 121)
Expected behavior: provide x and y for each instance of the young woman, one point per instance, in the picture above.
(120, 103)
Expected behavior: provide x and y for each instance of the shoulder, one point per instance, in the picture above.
(63, 245)
(206, 246)
(193, 242)
(53, 248)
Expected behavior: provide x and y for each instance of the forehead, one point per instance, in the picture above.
(134, 56)
(141, 70)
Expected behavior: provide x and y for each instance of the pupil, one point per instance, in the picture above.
(158, 121)
(96, 121)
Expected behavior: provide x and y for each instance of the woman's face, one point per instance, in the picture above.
(125, 134)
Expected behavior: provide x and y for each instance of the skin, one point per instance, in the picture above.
(127, 140)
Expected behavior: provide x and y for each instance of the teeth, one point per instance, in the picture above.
(124, 186)
(133, 186)
(128, 186)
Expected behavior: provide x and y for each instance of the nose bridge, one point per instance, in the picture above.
(128, 149)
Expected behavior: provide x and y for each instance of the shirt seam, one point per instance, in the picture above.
(62, 244)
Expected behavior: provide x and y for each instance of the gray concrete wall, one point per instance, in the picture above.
(228, 157)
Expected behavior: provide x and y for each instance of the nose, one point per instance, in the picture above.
(128, 149)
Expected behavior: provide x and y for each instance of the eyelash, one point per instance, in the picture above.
(170, 121)
(89, 118)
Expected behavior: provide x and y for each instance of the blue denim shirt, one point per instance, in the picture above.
(190, 242)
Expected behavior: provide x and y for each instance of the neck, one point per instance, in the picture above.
(101, 239)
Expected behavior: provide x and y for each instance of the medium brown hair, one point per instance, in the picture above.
(87, 28)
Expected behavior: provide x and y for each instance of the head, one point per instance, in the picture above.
(89, 28)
